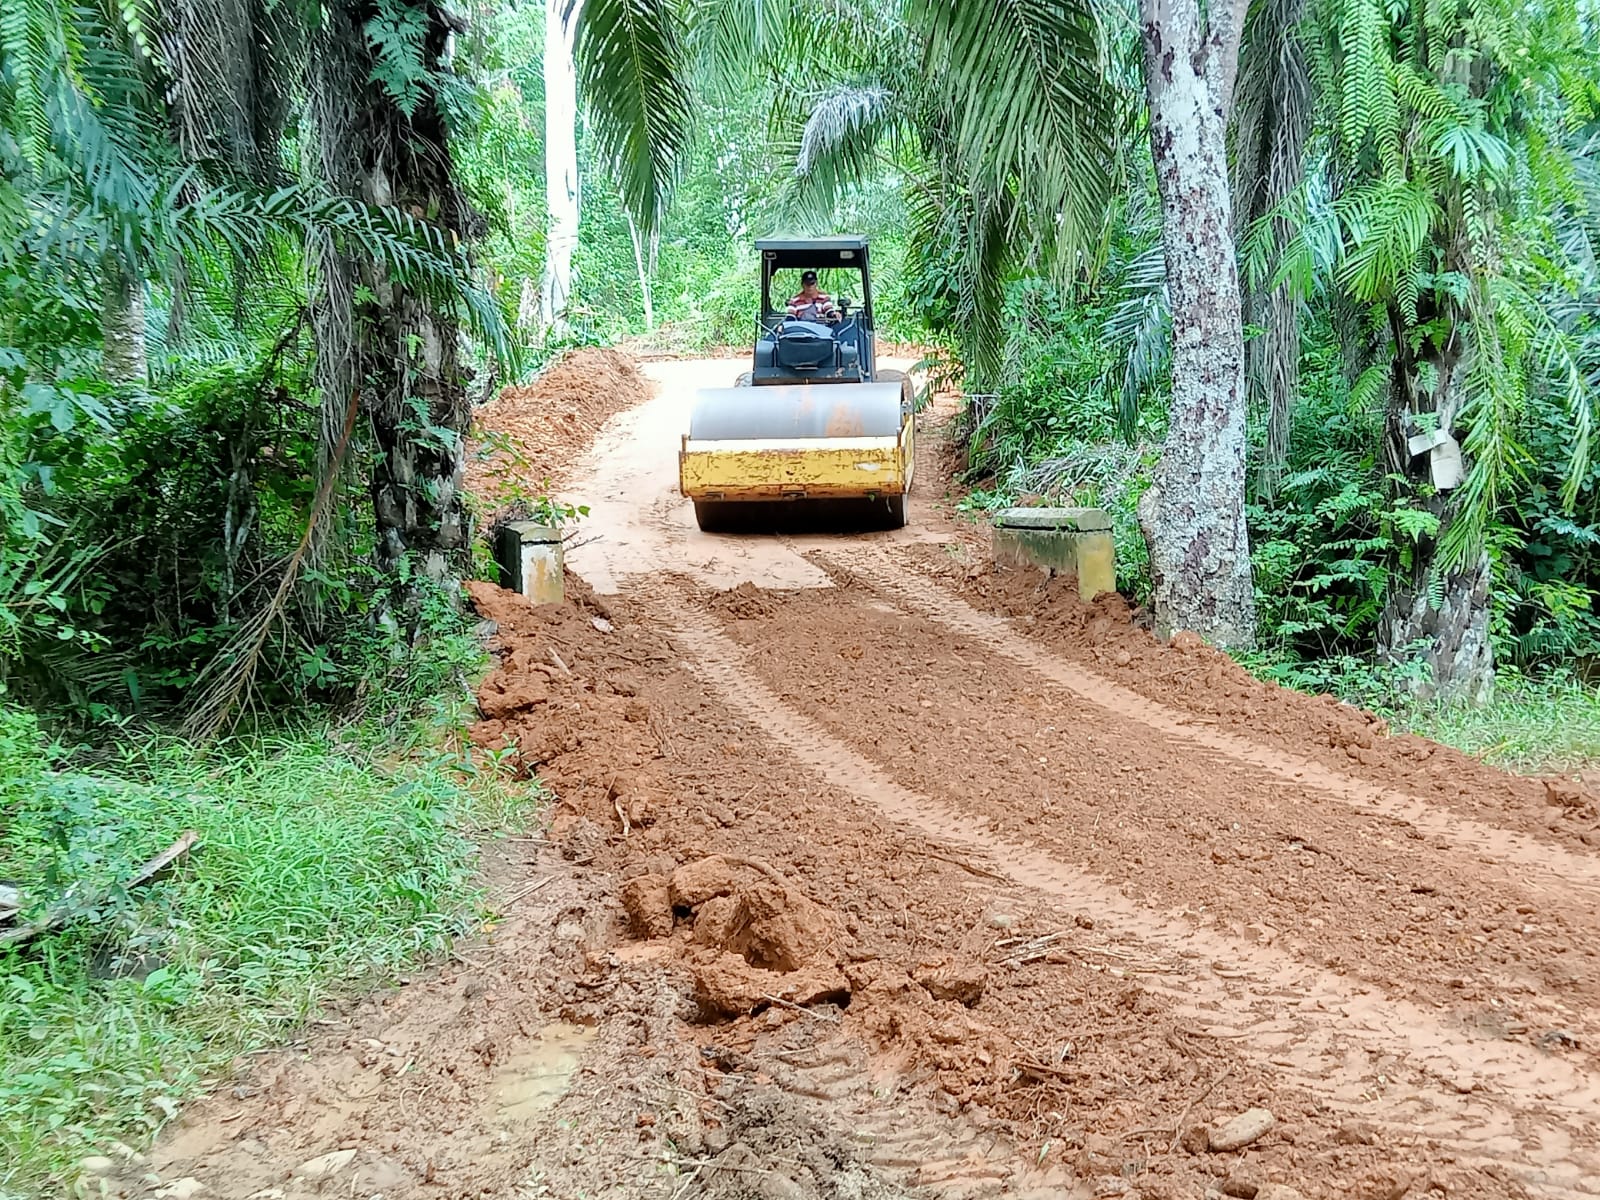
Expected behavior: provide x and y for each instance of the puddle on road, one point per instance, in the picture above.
(533, 1079)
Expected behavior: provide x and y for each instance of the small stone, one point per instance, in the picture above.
(97, 1164)
(721, 814)
(1243, 1182)
(182, 1189)
(1278, 1191)
(1123, 658)
(1000, 919)
(1247, 1127)
(773, 1185)
(1195, 1140)
(1464, 1083)
(324, 1165)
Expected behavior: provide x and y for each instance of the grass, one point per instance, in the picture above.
(1534, 726)
(327, 861)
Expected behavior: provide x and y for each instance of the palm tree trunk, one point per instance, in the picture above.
(1271, 115)
(1193, 515)
(418, 404)
(398, 349)
(1436, 613)
(560, 164)
(122, 352)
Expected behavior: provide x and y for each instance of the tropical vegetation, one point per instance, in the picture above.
(1306, 292)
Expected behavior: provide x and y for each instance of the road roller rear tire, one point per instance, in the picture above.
(895, 511)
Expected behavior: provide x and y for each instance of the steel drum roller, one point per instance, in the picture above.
(801, 412)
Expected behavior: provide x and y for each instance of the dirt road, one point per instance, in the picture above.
(877, 873)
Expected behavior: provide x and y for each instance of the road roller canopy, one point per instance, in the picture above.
(842, 252)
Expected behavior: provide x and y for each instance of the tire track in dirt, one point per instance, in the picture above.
(1307, 1023)
(941, 1156)
(1541, 866)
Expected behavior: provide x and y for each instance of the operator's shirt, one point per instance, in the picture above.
(813, 308)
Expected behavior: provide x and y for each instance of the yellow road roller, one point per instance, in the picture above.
(813, 431)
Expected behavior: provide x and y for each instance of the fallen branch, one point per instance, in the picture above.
(981, 872)
(145, 874)
(756, 864)
(1177, 1130)
(526, 892)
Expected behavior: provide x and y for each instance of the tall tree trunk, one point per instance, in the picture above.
(1193, 514)
(1271, 116)
(406, 363)
(1436, 613)
(645, 265)
(122, 352)
(560, 164)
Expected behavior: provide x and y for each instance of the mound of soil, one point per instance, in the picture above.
(547, 424)
(1014, 1020)
(573, 703)
(744, 601)
(1189, 675)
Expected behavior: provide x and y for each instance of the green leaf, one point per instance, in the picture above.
(633, 80)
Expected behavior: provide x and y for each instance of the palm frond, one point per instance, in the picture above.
(839, 143)
(1032, 108)
(633, 78)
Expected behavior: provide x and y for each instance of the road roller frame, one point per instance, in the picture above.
(822, 432)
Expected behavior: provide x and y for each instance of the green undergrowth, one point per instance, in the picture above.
(1533, 726)
(1547, 723)
(329, 859)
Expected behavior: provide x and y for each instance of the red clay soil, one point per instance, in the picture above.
(768, 889)
(1205, 682)
(1238, 848)
(548, 423)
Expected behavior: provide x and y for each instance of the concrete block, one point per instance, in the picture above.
(530, 561)
(1078, 520)
(1062, 541)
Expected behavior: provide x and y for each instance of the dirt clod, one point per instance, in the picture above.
(695, 883)
(1249, 1126)
(726, 986)
(953, 978)
(648, 901)
(1196, 1139)
(1243, 1181)
(1354, 1133)
(780, 930)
